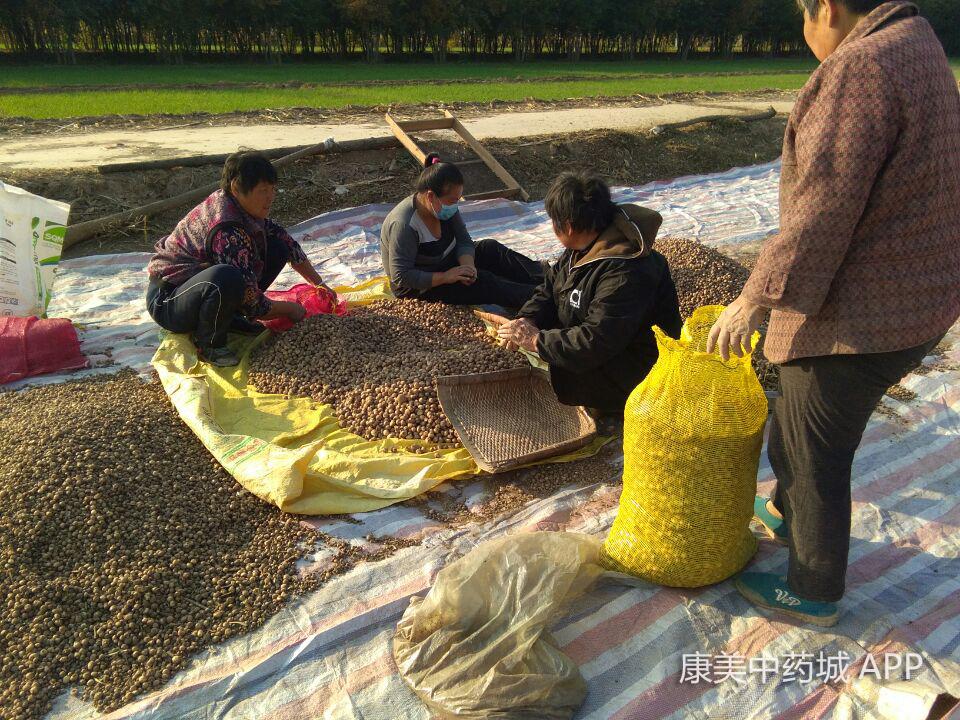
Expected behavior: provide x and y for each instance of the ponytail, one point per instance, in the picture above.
(438, 176)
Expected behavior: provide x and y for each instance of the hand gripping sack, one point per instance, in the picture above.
(693, 430)
(315, 300)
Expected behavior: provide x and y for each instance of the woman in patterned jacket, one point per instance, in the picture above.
(209, 275)
(863, 279)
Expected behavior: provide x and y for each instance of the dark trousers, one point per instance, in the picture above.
(206, 303)
(504, 277)
(815, 430)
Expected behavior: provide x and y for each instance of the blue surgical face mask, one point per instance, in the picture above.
(447, 211)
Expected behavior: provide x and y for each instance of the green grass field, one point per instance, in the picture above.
(147, 102)
(498, 82)
(58, 75)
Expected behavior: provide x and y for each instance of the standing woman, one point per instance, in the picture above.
(863, 279)
(209, 275)
(428, 254)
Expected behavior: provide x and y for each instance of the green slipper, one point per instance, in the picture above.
(775, 527)
(239, 324)
(219, 356)
(771, 592)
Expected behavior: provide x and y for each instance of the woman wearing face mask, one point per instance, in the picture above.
(428, 254)
(209, 275)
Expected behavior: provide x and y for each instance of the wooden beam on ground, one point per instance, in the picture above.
(507, 193)
(187, 161)
(450, 122)
(405, 140)
(490, 160)
(84, 230)
(752, 117)
(216, 159)
(421, 125)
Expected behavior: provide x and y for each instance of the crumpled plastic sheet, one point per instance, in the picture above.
(477, 647)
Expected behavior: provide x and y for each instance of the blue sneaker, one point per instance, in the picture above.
(770, 591)
(775, 527)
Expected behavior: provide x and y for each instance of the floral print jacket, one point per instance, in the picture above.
(217, 232)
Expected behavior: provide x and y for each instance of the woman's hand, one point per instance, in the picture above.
(468, 261)
(297, 312)
(472, 270)
(283, 308)
(492, 318)
(459, 274)
(519, 334)
(733, 331)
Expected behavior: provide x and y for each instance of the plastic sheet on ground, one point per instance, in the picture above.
(105, 293)
(476, 646)
(328, 655)
(291, 451)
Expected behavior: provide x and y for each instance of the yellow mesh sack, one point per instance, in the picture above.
(693, 430)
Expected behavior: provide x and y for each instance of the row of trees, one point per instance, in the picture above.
(517, 29)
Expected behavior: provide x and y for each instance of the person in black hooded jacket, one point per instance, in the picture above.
(591, 320)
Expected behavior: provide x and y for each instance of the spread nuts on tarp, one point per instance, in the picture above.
(378, 365)
(124, 547)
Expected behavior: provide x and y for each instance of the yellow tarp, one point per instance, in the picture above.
(291, 451)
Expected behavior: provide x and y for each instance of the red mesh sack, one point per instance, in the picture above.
(315, 300)
(29, 347)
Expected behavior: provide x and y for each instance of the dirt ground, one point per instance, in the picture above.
(325, 183)
(13, 127)
(104, 150)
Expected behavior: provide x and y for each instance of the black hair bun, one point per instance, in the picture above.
(438, 176)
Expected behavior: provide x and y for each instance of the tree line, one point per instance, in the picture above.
(177, 30)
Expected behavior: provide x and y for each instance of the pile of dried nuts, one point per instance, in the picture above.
(378, 365)
(511, 491)
(124, 547)
(704, 276)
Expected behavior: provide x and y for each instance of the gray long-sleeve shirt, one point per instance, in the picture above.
(411, 253)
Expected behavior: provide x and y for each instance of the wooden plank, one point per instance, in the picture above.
(81, 231)
(200, 160)
(421, 125)
(490, 160)
(507, 193)
(405, 139)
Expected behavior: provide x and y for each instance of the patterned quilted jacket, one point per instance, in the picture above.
(218, 231)
(867, 258)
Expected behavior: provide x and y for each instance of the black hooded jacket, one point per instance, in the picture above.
(596, 309)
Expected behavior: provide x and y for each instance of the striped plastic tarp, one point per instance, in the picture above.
(328, 654)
